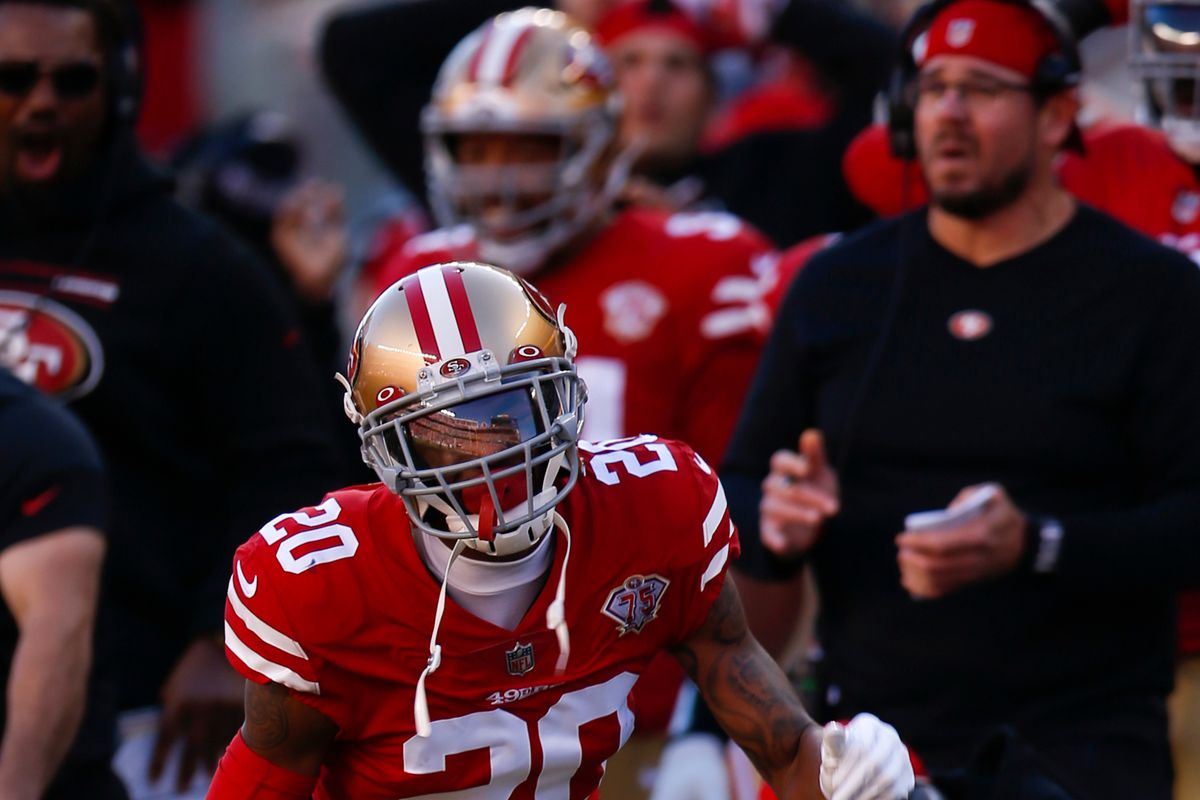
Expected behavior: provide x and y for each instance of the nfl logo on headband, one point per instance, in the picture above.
(959, 32)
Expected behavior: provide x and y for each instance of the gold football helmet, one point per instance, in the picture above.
(462, 381)
(525, 72)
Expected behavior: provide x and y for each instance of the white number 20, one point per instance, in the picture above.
(607, 454)
(507, 740)
(317, 528)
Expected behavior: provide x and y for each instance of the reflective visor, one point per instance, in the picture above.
(474, 429)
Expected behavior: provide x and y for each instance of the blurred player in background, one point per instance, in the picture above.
(57, 711)
(523, 172)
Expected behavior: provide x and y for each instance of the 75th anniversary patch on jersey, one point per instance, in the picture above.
(636, 602)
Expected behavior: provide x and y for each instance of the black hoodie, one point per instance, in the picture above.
(170, 342)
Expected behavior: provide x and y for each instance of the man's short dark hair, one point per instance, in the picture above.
(111, 29)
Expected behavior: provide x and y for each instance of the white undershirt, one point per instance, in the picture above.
(497, 591)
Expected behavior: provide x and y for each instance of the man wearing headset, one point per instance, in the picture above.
(165, 337)
(1027, 362)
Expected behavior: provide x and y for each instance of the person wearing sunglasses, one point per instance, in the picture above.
(52, 108)
(141, 315)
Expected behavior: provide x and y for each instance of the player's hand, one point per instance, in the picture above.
(202, 707)
(799, 494)
(692, 768)
(864, 760)
(309, 237)
(936, 563)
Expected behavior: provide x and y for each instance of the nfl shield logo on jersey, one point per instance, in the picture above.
(520, 659)
(636, 602)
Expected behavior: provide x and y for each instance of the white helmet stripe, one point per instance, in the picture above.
(496, 52)
(441, 313)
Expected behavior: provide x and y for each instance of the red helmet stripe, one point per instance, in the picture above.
(497, 51)
(415, 298)
(467, 329)
(514, 55)
(473, 67)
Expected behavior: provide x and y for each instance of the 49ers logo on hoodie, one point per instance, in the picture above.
(48, 345)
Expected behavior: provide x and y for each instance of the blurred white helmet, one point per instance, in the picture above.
(526, 72)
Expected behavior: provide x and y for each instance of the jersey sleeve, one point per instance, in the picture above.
(707, 536)
(724, 325)
(261, 641)
(434, 247)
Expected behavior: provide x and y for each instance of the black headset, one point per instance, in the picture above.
(126, 79)
(1054, 72)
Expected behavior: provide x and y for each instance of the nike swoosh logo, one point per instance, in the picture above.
(36, 503)
(248, 587)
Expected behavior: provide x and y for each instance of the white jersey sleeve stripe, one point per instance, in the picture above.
(712, 520)
(441, 313)
(714, 566)
(262, 629)
(268, 669)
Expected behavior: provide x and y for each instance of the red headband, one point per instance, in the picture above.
(642, 15)
(1007, 34)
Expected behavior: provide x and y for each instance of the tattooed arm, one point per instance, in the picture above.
(285, 731)
(753, 700)
(278, 752)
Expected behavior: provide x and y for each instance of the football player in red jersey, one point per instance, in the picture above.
(472, 625)
(1147, 176)
(523, 168)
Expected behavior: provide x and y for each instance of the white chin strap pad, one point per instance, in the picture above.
(505, 544)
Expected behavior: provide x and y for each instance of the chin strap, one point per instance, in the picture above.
(487, 519)
(421, 703)
(556, 614)
(556, 620)
(348, 400)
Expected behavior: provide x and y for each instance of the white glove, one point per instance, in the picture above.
(692, 768)
(864, 760)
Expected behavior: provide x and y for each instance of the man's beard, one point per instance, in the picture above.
(987, 200)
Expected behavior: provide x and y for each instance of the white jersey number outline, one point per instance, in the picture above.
(318, 528)
(506, 737)
(609, 453)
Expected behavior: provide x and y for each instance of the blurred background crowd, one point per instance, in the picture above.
(297, 126)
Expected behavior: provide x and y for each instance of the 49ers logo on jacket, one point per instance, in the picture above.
(49, 346)
(636, 602)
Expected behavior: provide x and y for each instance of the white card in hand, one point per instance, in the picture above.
(943, 518)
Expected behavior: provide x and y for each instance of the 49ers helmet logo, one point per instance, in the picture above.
(48, 345)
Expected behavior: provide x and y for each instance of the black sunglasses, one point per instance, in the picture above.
(72, 81)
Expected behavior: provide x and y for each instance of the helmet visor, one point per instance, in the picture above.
(475, 429)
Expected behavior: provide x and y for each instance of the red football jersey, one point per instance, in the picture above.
(336, 603)
(1132, 173)
(669, 313)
